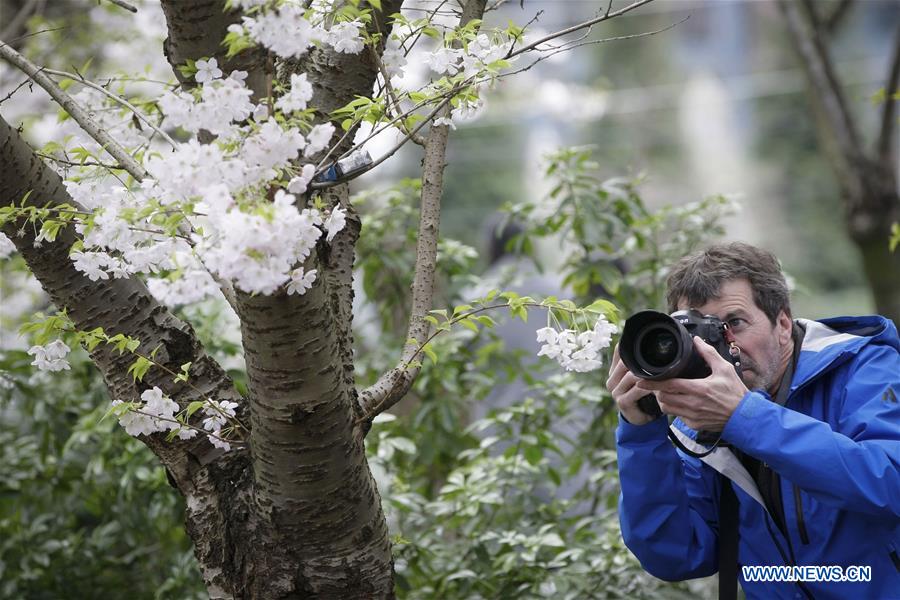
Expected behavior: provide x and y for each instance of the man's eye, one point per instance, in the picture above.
(736, 323)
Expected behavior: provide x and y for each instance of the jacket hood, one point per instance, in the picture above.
(830, 342)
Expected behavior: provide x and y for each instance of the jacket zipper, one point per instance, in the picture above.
(784, 558)
(801, 525)
(776, 482)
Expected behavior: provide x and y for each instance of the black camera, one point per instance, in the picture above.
(658, 346)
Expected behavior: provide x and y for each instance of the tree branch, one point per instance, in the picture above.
(837, 16)
(84, 119)
(81, 116)
(885, 143)
(118, 99)
(449, 94)
(827, 91)
(118, 305)
(393, 385)
(123, 4)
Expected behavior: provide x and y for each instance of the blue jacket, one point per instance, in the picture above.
(836, 448)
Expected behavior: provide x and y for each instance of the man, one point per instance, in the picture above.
(813, 426)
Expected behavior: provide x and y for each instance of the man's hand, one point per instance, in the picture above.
(701, 403)
(622, 386)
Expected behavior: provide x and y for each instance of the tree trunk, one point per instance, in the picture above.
(868, 180)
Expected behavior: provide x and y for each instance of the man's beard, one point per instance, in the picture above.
(756, 378)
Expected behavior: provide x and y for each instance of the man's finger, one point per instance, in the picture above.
(709, 354)
(672, 386)
(616, 372)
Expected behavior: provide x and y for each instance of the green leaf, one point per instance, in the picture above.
(194, 407)
(183, 376)
(552, 539)
(430, 353)
(534, 454)
(139, 368)
(486, 321)
(468, 324)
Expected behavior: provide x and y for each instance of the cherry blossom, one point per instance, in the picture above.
(300, 281)
(51, 357)
(318, 139)
(576, 351)
(286, 32)
(301, 92)
(345, 37)
(298, 184)
(207, 70)
(335, 223)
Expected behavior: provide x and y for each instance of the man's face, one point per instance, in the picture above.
(765, 348)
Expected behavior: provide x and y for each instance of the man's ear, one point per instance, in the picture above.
(784, 326)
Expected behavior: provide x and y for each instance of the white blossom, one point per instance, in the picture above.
(346, 37)
(394, 58)
(300, 281)
(207, 70)
(443, 60)
(335, 223)
(91, 264)
(217, 414)
(6, 247)
(286, 32)
(299, 183)
(300, 93)
(272, 147)
(51, 357)
(219, 442)
(136, 423)
(153, 414)
(318, 138)
(577, 351)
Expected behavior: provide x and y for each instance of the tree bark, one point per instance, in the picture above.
(313, 494)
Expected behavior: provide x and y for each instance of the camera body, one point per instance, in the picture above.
(658, 346)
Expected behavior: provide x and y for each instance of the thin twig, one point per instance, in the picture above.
(566, 48)
(81, 116)
(21, 17)
(17, 88)
(39, 32)
(574, 28)
(81, 79)
(123, 4)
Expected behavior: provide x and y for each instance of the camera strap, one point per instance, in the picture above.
(729, 538)
(724, 461)
(721, 459)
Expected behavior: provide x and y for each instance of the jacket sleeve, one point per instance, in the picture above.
(852, 464)
(668, 508)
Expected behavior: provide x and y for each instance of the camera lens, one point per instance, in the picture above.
(659, 347)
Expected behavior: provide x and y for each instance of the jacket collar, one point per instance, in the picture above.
(830, 342)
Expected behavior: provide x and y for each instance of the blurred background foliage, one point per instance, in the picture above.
(497, 473)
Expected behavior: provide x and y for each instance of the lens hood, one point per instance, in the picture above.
(655, 346)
